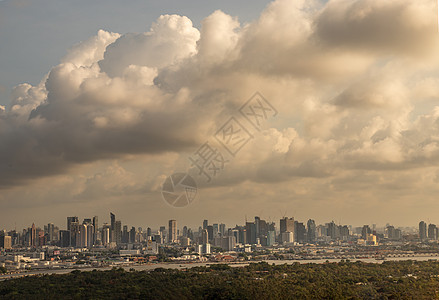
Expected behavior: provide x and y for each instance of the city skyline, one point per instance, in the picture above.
(203, 222)
(319, 108)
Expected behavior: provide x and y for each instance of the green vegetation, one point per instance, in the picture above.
(344, 280)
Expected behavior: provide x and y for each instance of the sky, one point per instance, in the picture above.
(310, 109)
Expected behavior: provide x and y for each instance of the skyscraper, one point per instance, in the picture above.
(172, 230)
(33, 236)
(118, 232)
(422, 230)
(95, 228)
(286, 225)
(311, 231)
(250, 228)
(112, 227)
(432, 232)
(70, 221)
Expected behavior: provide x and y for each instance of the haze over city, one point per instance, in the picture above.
(99, 124)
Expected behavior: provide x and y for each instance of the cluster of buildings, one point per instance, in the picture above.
(91, 243)
(88, 233)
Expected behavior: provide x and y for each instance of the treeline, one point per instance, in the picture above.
(344, 280)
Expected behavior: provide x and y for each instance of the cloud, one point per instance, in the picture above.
(351, 81)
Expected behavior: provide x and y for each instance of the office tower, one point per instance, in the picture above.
(365, 231)
(50, 232)
(5, 242)
(332, 230)
(125, 236)
(228, 243)
(215, 230)
(33, 236)
(257, 219)
(95, 222)
(222, 229)
(205, 224)
(64, 238)
(344, 232)
(105, 234)
(311, 230)
(71, 220)
(132, 235)
(118, 232)
(432, 232)
(95, 226)
(422, 230)
(299, 232)
(262, 228)
(286, 225)
(210, 231)
(172, 230)
(148, 232)
(242, 235)
(112, 227)
(90, 235)
(390, 231)
(250, 228)
(74, 234)
(190, 234)
(271, 238)
(86, 221)
(204, 236)
(184, 231)
(82, 236)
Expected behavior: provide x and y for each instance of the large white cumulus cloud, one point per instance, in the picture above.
(352, 80)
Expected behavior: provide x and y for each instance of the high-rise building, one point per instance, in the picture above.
(64, 238)
(204, 236)
(365, 231)
(5, 241)
(205, 224)
(118, 232)
(106, 235)
(250, 228)
(333, 230)
(125, 235)
(210, 231)
(74, 234)
(257, 220)
(112, 227)
(83, 235)
(311, 230)
(95, 226)
(132, 235)
(299, 232)
(222, 229)
(271, 237)
(215, 230)
(50, 232)
(432, 232)
(70, 221)
(90, 235)
(422, 230)
(344, 231)
(172, 230)
(286, 225)
(33, 236)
